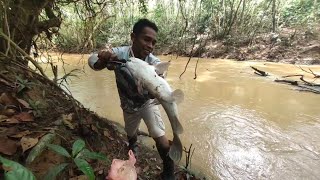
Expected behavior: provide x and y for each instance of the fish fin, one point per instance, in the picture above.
(139, 87)
(178, 96)
(175, 152)
(162, 67)
(176, 127)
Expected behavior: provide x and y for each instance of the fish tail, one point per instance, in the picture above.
(175, 151)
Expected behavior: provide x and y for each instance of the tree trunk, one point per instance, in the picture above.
(23, 22)
(274, 21)
(242, 12)
(315, 10)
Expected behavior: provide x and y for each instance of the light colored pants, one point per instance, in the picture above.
(152, 118)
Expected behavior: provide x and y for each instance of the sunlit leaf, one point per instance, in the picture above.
(15, 171)
(58, 149)
(85, 153)
(85, 167)
(77, 146)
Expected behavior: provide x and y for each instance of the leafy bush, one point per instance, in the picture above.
(78, 156)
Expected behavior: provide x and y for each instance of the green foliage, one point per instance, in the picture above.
(86, 154)
(37, 150)
(77, 146)
(85, 167)
(14, 170)
(79, 156)
(36, 106)
(23, 84)
(58, 149)
(53, 172)
(301, 12)
(180, 22)
(71, 35)
(65, 77)
(143, 7)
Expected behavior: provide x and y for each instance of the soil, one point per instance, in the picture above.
(32, 106)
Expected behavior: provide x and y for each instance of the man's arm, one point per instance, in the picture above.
(100, 61)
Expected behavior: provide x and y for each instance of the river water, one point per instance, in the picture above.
(242, 126)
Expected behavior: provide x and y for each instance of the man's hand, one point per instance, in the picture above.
(105, 56)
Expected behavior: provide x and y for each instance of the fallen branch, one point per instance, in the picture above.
(311, 72)
(189, 154)
(303, 85)
(302, 79)
(259, 72)
(292, 82)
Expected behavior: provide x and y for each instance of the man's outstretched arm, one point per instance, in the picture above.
(99, 61)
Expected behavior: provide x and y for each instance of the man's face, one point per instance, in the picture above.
(144, 42)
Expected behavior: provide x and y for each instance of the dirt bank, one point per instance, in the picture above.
(295, 46)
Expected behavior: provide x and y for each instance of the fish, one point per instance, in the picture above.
(147, 77)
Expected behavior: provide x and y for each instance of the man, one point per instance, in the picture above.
(134, 105)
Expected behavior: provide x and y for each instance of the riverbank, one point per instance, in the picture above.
(226, 97)
(294, 46)
(33, 107)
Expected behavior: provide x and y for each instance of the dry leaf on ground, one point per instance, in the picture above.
(68, 124)
(67, 119)
(3, 117)
(24, 103)
(8, 112)
(28, 142)
(94, 129)
(20, 134)
(8, 146)
(12, 121)
(7, 99)
(107, 134)
(24, 116)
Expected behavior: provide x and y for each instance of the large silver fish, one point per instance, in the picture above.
(146, 77)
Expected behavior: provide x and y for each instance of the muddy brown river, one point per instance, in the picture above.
(242, 126)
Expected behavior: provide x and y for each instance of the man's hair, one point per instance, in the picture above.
(142, 23)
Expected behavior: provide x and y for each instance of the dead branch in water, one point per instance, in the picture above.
(310, 72)
(302, 79)
(195, 69)
(303, 85)
(292, 82)
(189, 154)
(259, 72)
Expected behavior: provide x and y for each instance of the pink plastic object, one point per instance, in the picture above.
(123, 169)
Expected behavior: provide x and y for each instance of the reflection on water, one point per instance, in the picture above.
(242, 126)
